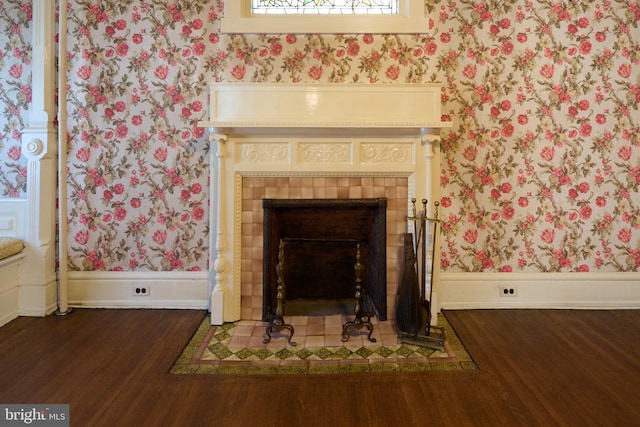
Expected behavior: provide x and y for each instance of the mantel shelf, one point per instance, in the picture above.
(237, 129)
(388, 110)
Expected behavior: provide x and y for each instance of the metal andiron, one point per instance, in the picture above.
(276, 321)
(362, 317)
(414, 303)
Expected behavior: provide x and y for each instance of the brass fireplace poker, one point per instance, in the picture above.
(414, 307)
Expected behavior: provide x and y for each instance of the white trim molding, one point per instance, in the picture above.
(540, 290)
(164, 289)
(9, 288)
(12, 224)
(391, 108)
(38, 285)
(410, 19)
(12, 221)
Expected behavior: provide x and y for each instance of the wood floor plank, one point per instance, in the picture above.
(555, 365)
(537, 367)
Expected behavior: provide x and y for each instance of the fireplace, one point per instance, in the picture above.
(320, 239)
(255, 189)
(313, 141)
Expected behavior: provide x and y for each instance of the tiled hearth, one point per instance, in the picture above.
(314, 331)
(238, 348)
(255, 189)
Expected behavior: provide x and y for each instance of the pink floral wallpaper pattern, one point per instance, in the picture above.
(15, 93)
(540, 172)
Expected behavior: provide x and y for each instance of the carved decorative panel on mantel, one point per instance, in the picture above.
(325, 130)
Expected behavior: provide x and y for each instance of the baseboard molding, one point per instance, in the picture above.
(540, 290)
(165, 289)
(38, 300)
(190, 290)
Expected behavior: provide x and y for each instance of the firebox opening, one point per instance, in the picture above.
(320, 275)
(321, 236)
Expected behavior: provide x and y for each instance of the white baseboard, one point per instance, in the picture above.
(164, 289)
(23, 299)
(38, 300)
(540, 290)
(189, 290)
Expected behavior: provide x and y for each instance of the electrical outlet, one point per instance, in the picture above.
(508, 291)
(141, 291)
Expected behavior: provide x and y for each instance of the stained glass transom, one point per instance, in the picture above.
(338, 7)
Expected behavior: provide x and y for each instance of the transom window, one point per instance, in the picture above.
(325, 16)
(339, 7)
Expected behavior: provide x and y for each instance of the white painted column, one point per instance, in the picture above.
(39, 145)
(432, 162)
(63, 291)
(218, 264)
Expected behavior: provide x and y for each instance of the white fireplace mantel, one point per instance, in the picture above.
(281, 129)
(277, 107)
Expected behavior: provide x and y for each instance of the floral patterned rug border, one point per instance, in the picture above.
(208, 353)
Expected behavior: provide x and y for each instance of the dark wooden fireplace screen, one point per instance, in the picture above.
(321, 236)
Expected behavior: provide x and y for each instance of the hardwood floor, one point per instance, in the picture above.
(537, 368)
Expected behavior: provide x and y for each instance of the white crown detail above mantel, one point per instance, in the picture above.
(270, 108)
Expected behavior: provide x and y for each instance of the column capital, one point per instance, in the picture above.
(428, 136)
(218, 136)
(221, 139)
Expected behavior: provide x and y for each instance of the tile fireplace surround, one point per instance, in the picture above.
(333, 141)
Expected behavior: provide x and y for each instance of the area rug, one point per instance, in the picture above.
(238, 348)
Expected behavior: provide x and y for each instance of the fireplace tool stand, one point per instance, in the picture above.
(276, 321)
(362, 319)
(418, 330)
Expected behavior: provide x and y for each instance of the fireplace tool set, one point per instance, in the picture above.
(413, 314)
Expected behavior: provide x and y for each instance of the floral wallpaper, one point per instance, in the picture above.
(540, 171)
(138, 168)
(15, 93)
